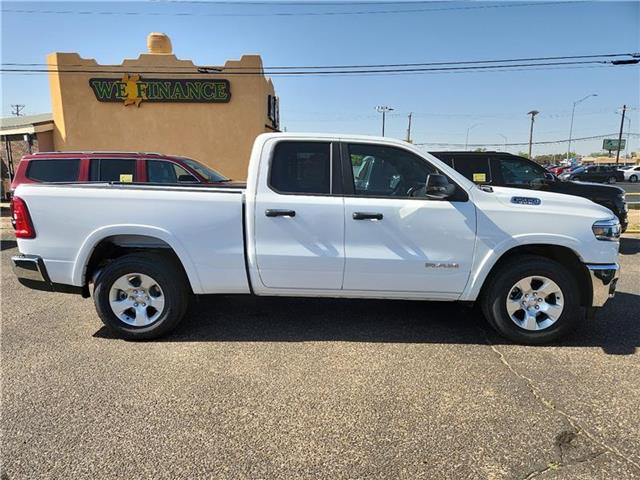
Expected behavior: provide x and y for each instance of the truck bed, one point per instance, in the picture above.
(202, 224)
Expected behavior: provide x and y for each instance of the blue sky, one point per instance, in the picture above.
(444, 106)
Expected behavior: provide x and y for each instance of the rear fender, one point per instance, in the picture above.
(90, 243)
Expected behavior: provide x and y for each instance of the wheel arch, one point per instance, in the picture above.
(109, 243)
(564, 255)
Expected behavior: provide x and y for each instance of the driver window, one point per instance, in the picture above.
(517, 171)
(382, 171)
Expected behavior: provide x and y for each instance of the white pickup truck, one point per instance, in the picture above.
(319, 218)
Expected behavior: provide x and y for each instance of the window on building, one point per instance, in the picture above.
(58, 170)
(112, 170)
(387, 171)
(161, 171)
(301, 167)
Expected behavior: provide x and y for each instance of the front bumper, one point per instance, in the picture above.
(604, 279)
(32, 272)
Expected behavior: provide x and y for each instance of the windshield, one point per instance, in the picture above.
(209, 174)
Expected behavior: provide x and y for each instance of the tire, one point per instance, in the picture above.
(612, 180)
(633, 178)
(500, 288)
(157, 280)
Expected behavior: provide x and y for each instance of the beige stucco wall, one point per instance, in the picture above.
(217, 134)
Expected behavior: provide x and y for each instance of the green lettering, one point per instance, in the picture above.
(142, 89)
(178, 92)
(221, 91)
(207, 91)
(103, 88)
(121, 90)
(164, 91)
(193, 90)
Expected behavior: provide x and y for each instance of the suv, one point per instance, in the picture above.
(505, 170)
(135, 167)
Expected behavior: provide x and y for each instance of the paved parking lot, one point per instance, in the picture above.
(280, 388)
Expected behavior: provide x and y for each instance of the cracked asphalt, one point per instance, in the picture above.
(270, 388)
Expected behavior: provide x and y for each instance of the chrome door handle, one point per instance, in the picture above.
(367, 216)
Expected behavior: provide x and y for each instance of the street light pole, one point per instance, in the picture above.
(533, 114)
(383, 109)
(466, 141)
(573, 112)
(504, 148)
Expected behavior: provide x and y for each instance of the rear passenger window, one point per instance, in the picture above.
(301, 167)
(112, 170)
(475, 169)
(55, 170)
(160, 171)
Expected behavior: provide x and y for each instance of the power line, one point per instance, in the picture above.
(378, 65)
(358, 72)
(519, 144)
(284, 14)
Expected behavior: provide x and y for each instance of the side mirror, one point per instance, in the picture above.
(550, 177)
(438, 187)
(187, 179)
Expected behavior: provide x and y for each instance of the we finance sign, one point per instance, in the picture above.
(133, 90)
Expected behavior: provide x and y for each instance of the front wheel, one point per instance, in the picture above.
(141, 296)
(633, 178)
(612, 179)
(531, 300)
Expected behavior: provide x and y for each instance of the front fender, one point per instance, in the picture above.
(488, 255)
(95, 237)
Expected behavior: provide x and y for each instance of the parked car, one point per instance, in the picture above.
(114, 167)
(632, 174)
(597, 173)
(302, 227)
(560, 169)
(506, 170)
(566, 173)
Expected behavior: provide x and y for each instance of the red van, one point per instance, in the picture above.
(135, 167)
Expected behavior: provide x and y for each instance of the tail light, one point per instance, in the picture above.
(21, 219)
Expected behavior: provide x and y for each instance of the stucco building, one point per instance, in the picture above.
(159, 103)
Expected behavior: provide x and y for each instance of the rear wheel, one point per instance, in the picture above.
(531, 300)
(141, 296)
(612, 179)
(633, 178)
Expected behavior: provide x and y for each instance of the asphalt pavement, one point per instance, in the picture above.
(279, 388)
(629, 187)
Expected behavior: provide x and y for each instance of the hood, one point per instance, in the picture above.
(587, 188)
(550, 202)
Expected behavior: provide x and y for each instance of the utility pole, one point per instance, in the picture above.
(504, 148)
(383, 109)
(533, 114)
(573, 112)
(17, 109)
(624, 110)
(409, 128)
(466, 140)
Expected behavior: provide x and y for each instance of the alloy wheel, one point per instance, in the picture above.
(136, 299)
(535, 303)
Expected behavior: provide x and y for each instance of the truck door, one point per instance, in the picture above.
(299, 217)
(397, 242)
